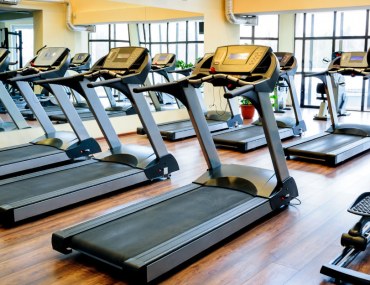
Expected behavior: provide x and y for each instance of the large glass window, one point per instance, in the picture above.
(265, 33)
(181, 38)
(106, 37)
(317, 36)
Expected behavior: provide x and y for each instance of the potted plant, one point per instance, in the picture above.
(246, 108)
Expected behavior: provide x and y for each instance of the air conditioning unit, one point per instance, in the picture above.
(9, 2)
(249, 20)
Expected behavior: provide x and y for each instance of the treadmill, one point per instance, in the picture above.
(152, 237)
(80, 62)
(18, 122)
(341, 141)
(163, 64)
(54, 146)
(121, 166)
(181, 129)
(248, 137)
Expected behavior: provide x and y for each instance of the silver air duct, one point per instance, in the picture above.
(79, 28)
(82, 28)
(249, 20)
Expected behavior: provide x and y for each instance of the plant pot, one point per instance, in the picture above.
(247, 111)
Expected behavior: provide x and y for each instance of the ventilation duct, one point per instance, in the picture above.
(79, 28)
(249, 20)
(82, 28)
(9, 2)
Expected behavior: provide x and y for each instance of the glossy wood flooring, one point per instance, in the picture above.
(288, 248)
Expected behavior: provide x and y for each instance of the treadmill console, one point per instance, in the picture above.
(124, 58)
(239, 59)
(49, 56)
(4, 59)
(285, 58)
(80, 58)
(204, 64)
(162, 60)
(354, 59)
(3, 53)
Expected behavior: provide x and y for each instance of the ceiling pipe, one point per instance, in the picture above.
(238, 19)
(70, 25)
(79, 28)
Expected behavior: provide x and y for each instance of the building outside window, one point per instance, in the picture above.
(317, 36)
(182, 38)
(265, 33)
(106, 37)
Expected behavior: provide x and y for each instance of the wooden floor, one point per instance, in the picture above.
(288, 248)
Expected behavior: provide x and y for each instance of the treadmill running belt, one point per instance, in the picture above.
(173, 126)
(133, 234)
(325, 144)
(20, 153)
(240, 134)
(178, 126)
(35, 186)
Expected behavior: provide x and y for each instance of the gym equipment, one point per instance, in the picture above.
(354, 242)
(181, 129)
(163, 64)
(339, 93)
(113, 110)
(78, 63)
(6, 100)
(248, 137)
(54, 146)
(341, 141)
(154, 236)
(120, 167)
(323, 110)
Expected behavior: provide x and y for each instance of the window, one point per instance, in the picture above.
(317, 36)
(106, 37)
(181, 38)
(265, 33)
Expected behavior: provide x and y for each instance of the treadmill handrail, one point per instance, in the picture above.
(7, 74)
(157, 87)
(185, 71)
(355, 71)
(325, 72)
(59, 80)
(104, 82)
(238, 91)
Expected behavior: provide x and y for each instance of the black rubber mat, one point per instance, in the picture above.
(131, 235)
(32, 187)
(21, 153)
(325, 144)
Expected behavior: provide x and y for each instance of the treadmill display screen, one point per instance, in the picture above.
(162, 58)
(122, 57)
(48, 56)
(238, 56)
(80, 58)
(356, 58)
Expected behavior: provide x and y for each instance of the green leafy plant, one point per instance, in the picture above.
(244, 101)
(183, 65)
